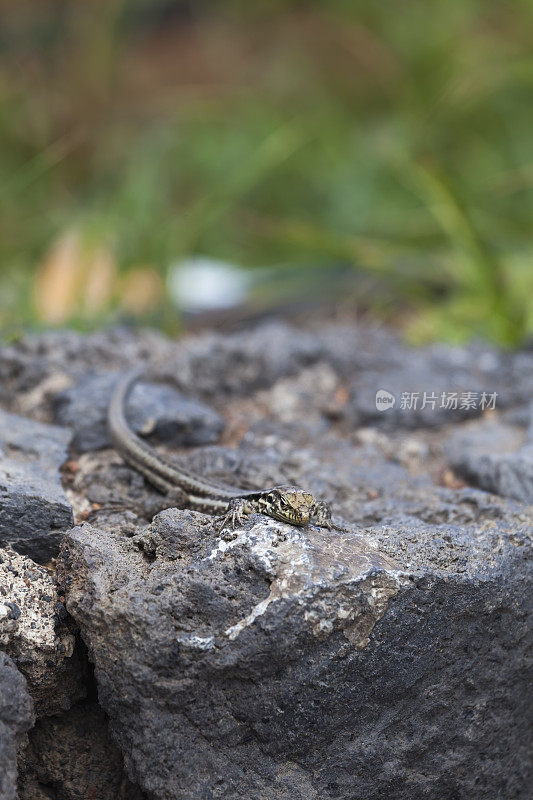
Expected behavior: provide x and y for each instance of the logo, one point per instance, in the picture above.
(384, 400)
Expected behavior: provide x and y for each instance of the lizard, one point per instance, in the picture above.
(285, 503)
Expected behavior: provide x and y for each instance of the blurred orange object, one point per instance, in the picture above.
(57, 279)
(73, 279)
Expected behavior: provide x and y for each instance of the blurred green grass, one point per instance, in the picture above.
(393, 139)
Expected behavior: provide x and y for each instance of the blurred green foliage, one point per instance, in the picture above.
(394, 138)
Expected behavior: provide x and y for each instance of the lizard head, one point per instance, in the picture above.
(288, 504)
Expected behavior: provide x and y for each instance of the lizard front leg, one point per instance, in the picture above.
(235, 516)
(321, 514)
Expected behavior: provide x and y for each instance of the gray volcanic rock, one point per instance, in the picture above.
(16, 716)
(495, 456)
(159, 412)
(34, 510)
(294, 663)
(447, 384)
(204, 365)
(73, 753)
(241, 362)
(387, 659)
(201, 696)
(35, 369)
(34, 632)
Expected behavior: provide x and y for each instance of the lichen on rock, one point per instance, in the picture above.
(34, 632)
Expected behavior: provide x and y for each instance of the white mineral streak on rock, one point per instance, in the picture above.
(197, 642)
(233, 631)
(223, 545)
(342, 582)
(31, 589)
(360, 622)
(261, 540)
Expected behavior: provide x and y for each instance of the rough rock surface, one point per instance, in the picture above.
(431, 375)
(388, 659)
(159, 412)
(496, 456)
(34, 511)
(379, 661)
(33, 631)
(16, 716)
(72, 757)
(208, 694)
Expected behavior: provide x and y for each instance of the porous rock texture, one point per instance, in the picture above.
(291, 663)
(71, 756)
(390, 657)
(35, 633)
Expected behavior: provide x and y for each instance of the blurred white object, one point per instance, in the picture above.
(200, 283)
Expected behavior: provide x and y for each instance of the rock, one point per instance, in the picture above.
(74, 754)
(29, 365)
(199, 365)
(294, 663)
(16, 717)
(157, 411)
(315, 590)
(34, 510)
(36, 368)
(308, 399)
(386, 659)
(34, 632)
(238, 363)
(431, 386)
(496, 457)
